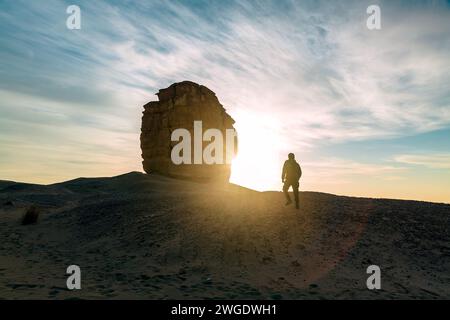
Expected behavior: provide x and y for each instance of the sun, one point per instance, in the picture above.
(258, 162)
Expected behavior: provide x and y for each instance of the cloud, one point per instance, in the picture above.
(334, 167)
(315, 67)
(433, 161)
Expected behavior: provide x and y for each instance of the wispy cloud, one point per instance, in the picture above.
(336, 167)
(339, 172)
(434, 161)
(316, 67)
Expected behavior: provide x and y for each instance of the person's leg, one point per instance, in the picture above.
(295, 189)
(286, 192)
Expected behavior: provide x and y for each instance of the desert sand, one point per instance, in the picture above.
(138, 236)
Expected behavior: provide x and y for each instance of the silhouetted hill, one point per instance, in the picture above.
(147, 236)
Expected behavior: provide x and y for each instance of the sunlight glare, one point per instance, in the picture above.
(259, 159)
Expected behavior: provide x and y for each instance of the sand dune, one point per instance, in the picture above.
(140, 236)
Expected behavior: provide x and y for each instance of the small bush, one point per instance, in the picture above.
(31, 216)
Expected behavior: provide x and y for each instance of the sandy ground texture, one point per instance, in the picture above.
(140, 236)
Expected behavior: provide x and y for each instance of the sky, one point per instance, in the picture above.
(367, 112)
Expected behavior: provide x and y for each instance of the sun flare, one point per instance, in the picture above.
(259, 159)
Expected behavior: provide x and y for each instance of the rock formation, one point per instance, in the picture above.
(178, 107)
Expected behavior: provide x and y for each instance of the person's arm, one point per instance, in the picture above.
(299, 171)
(283, 173)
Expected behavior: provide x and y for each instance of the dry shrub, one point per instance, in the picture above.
(31, 216)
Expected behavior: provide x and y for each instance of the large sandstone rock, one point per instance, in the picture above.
(178, 107)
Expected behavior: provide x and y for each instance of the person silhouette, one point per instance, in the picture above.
(290, 176)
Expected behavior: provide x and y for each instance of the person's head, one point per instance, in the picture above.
(291, 156)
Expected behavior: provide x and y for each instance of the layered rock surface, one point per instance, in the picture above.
(178, 107)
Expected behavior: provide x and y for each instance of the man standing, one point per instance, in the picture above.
(290, 177)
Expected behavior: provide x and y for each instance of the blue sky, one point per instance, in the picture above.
(366, 112)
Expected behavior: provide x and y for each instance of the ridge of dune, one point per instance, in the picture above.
(152, 237)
